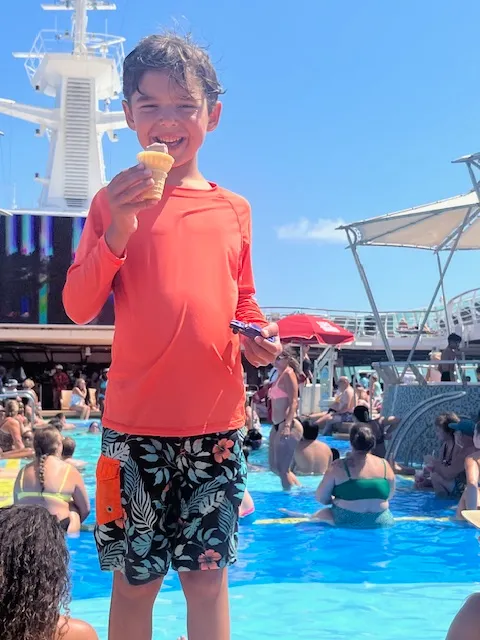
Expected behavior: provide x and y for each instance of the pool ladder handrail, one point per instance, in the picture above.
(412, 416)
(22, 393)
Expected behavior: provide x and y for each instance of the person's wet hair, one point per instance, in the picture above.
(444, 419)
(45, 443)
(246, 451)
(59, 416)
(180, 57)
(361, 413)
(69, 446)
(34, 574)
(335, 454)
(362, 438)
(310, 431)
(253, 439)
(56, 423)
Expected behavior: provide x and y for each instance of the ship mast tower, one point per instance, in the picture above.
(79, 70)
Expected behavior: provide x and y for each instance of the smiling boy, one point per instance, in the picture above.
(171, 476)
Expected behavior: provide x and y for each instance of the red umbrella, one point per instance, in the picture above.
(305, 329)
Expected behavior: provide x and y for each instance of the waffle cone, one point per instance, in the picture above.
(156, 191)
(159, 164)
(156, 160)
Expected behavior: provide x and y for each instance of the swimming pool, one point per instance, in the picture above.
(308, 581)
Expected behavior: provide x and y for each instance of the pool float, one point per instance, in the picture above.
(11, 467)
(247, 517)
(473, 517)
(399, 519)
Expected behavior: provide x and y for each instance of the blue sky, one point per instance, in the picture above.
(334, 111)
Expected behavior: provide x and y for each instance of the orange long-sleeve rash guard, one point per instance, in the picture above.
(176, 366)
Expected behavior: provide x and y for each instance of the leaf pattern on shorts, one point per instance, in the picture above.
(226, 517)
(142, 544)
(211, 502)
(203, 490)
(112, 554)
(143, 515)
(117, 451)
(180, 504)
(131, 477)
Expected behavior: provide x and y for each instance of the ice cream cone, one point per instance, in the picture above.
(157, 159)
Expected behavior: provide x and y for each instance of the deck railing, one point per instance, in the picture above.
(362, 324)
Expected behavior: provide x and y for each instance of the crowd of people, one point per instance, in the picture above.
(86, 387)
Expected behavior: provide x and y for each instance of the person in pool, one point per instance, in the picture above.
(359, 486)
(286, 431)
(445, 472)
(466, 624)
(253, 437)
(470, 500)
(50, 482)
(311, 457)
(247, 506)
(34, 578)
(94, 428)
(382, 428)
(11, 428)
(69, 446)
(101, 390)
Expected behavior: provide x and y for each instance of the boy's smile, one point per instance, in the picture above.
(164, 111)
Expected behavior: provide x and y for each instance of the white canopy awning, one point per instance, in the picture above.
(433, 226)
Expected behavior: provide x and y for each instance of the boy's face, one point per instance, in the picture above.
(162, 111)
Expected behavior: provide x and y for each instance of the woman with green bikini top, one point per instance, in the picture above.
(358, 487)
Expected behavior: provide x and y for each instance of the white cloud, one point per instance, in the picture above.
(323, 230)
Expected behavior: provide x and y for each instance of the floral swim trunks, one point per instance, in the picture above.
(168, 501)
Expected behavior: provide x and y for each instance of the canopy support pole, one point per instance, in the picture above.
(300, 399)
(443, 271)
(447, 319)
(371, 299)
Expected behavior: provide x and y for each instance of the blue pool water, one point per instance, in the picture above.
(308, 581)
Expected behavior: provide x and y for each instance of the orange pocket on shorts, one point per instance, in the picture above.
(108, 496)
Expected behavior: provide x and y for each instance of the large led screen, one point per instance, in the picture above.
(35, 254)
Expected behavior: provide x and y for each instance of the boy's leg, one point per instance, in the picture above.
(137, 520)
(208, 614)
(210, 492)
(131, 609)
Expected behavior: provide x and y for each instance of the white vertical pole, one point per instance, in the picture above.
(300, 401)
(435, 293)
(447, 319)
(79, 20)
(368, 290)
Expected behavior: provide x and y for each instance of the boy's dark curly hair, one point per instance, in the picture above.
(179, 57)
(34, 579)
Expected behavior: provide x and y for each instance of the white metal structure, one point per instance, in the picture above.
(447, 225)
(78, 70)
